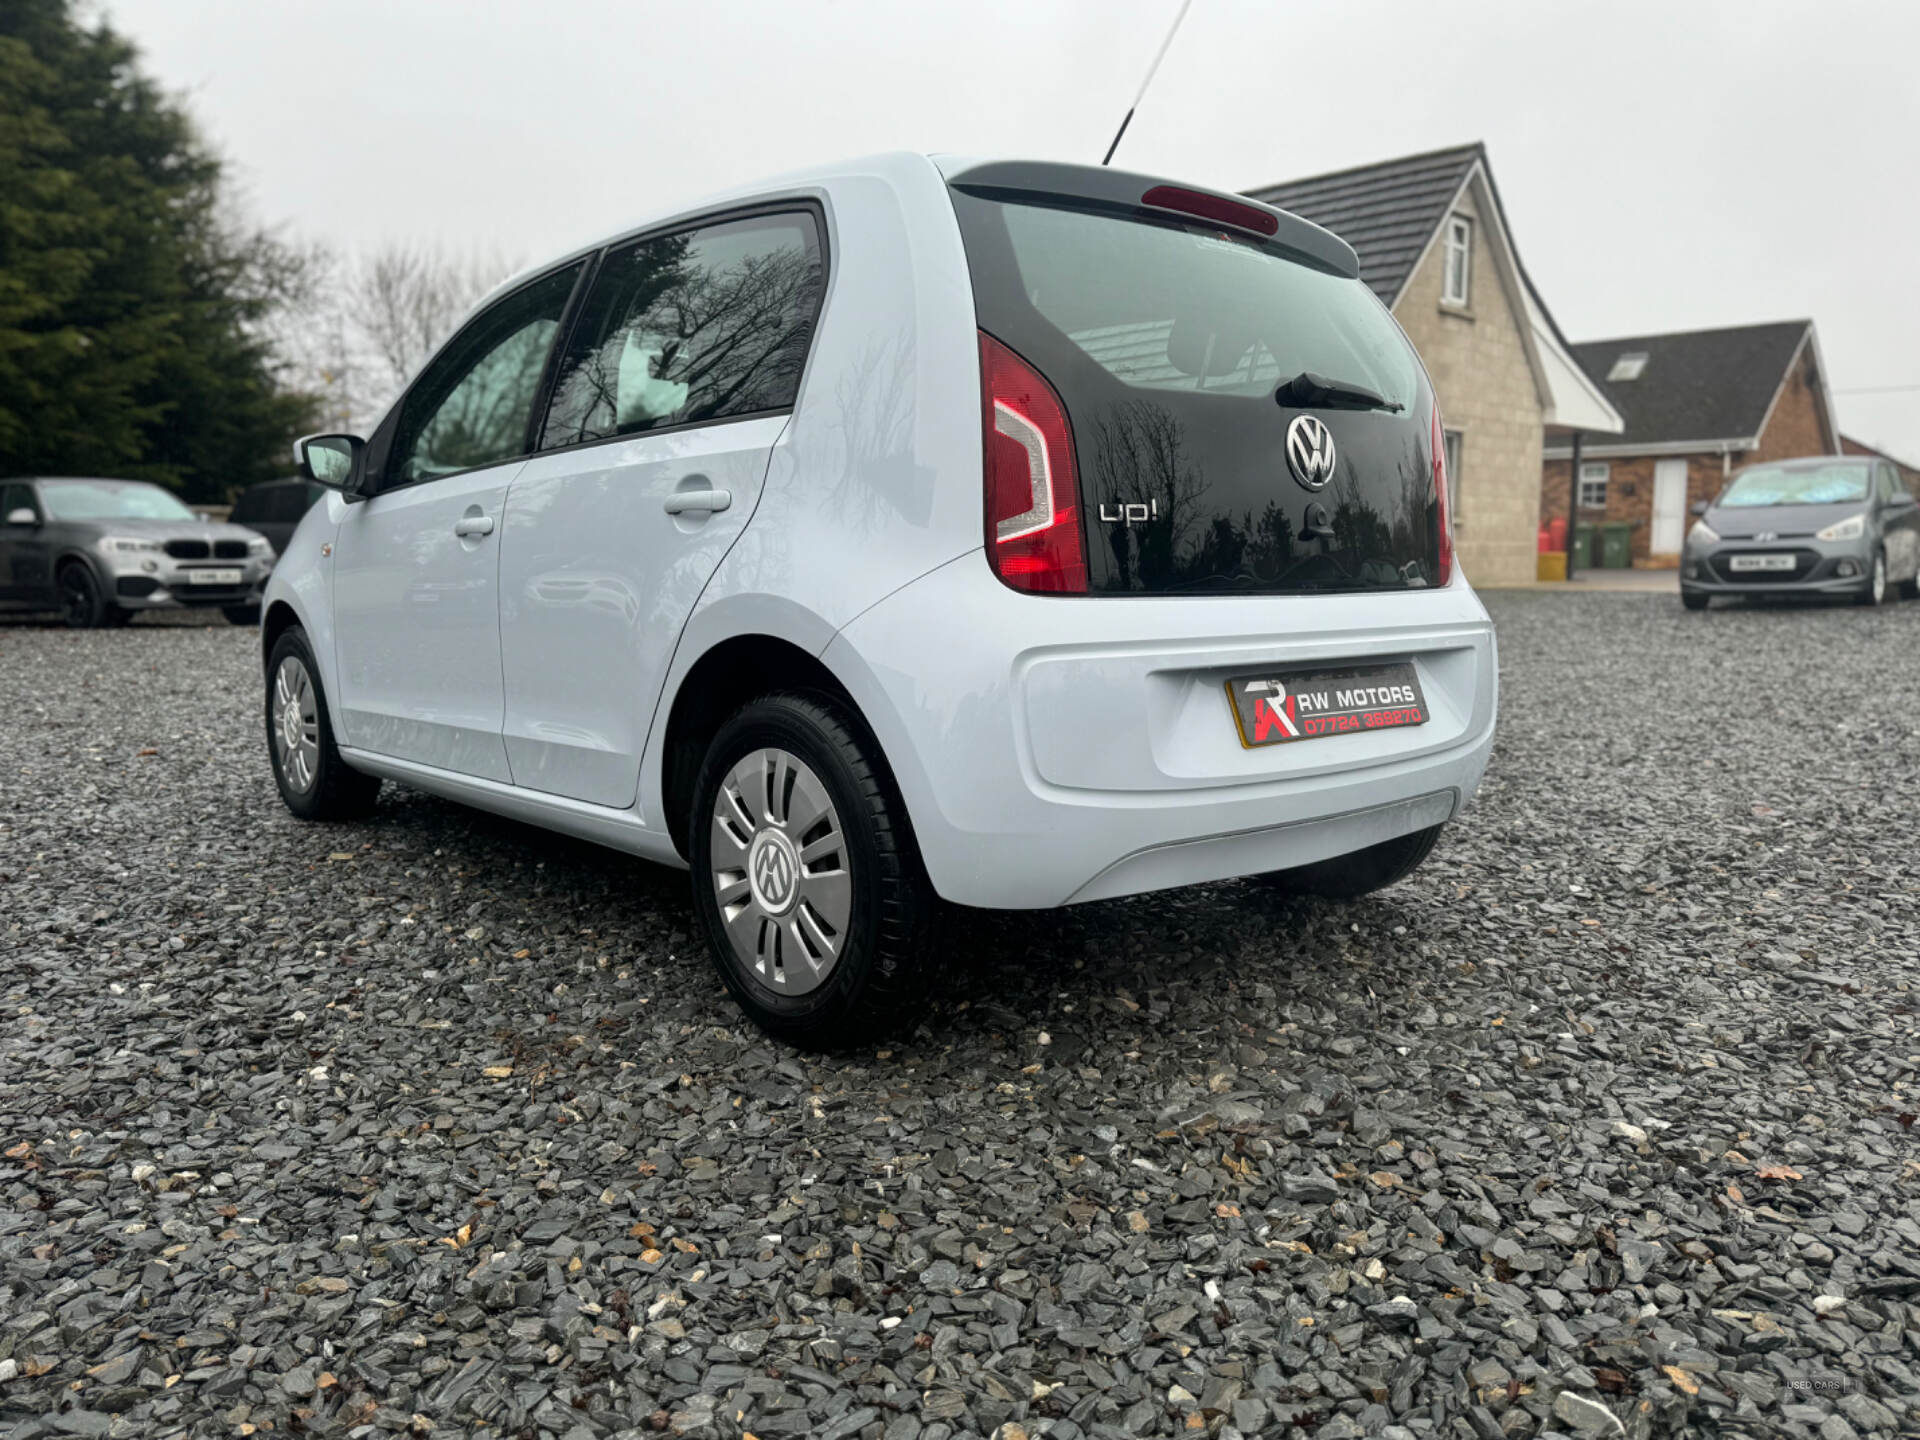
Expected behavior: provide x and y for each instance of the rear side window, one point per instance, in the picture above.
(683, 329)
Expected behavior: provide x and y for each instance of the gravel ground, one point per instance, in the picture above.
(1599, 1124)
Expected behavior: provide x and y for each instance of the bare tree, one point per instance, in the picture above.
(402, 300)
(362, 324)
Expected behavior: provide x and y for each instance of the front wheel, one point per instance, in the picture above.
(806, 877)
(1348, 877)
(1876, 587)
(314, 781)
(1693, 600)
(247, 615)
(83, 604)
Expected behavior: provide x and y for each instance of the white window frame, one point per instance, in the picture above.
(1456, 284)
(1595, 473)
(1455, 442)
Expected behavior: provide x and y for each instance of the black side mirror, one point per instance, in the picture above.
(331, 460)
(22, 516)
(1698, 507)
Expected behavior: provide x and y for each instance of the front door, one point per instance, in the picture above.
(416, 568)
(26, 556)
(680, 375)
(1669, 507)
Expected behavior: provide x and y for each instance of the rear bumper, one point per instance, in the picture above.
(1053, 750)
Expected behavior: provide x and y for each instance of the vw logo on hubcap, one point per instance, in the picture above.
(773, 865)
(1310, 451)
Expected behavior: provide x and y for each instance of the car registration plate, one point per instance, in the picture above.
(213, 577)
(1287, 705)
(1760, 562)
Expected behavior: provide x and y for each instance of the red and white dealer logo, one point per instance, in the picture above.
(1274, 716)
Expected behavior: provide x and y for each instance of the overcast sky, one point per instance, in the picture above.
(1665, 166)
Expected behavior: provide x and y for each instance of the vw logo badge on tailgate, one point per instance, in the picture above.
(1310, 451)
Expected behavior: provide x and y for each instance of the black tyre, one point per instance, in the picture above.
(314, 781)
(1693, 600)
(117, 617)
(1348, 877)
(1909, 589)
(83, 604)
(1875, 589)
(806, 876)
(247, 615)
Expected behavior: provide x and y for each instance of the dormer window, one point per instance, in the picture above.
(1628, 366)
(1457, 286)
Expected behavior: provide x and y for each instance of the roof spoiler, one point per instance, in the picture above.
(1126, 189)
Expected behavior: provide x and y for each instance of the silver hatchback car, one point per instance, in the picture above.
(1002, 533)
(1837, 526)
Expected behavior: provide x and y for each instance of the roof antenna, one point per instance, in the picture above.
(1161, 55)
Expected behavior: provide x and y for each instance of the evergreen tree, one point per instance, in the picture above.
(133, 308)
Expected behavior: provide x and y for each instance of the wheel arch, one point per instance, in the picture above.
(726, 676)
(278, 618)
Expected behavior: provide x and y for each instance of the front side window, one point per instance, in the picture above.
(110, 500)
(1593, 485)
(471, 406)
(683, 329)
(1459, 278)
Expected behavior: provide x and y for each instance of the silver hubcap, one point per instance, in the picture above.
(1879, 579)
(296, 725)
(780, 871)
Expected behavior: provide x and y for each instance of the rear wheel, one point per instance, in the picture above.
(1348, 877)
(83, 604)
(1876, 586)
(314, 781)
(806, 877)
(1693, 600)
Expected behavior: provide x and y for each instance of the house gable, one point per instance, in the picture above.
(1706, 391)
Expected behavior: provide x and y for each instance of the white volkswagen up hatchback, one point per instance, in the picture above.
(1005, 533)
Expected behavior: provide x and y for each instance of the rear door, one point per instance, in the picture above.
(680, 375)
(416, 567)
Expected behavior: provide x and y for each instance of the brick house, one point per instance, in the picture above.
(1698, 405)
(1435, 246)
(1909, 474)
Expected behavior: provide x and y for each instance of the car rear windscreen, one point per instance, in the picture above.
(1178, 352)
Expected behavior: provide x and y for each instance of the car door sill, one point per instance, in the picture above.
(617, 829)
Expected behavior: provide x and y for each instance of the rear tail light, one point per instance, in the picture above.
(1443, 502)
(1032, 484)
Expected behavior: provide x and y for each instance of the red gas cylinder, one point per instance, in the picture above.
(1556, 531)
(1544, 546)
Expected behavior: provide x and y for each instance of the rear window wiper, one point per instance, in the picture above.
(1308, 391)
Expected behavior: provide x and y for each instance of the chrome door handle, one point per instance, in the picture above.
(468, 525)
(709, 501)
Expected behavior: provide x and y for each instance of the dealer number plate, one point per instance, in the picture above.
(1760, 562)
(213, 577)
(1289, 705)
